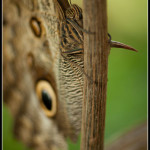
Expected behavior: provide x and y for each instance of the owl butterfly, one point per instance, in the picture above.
(42, 90)
(43, 70)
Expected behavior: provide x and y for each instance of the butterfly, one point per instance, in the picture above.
(43, 70)
(42, 90)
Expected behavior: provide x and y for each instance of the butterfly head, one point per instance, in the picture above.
(74, 12)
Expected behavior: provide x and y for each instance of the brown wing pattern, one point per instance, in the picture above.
(27, 59)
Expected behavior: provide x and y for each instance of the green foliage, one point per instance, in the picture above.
(9, 141)
(127, 72)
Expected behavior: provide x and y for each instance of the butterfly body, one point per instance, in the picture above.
(70, 34)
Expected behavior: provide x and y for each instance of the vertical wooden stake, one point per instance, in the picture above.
(96, 50)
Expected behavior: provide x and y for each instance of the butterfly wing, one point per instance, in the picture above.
(28, 59)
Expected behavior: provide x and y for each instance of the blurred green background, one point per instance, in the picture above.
(127, 73)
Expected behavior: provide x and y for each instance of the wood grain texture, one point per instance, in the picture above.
(96, 52)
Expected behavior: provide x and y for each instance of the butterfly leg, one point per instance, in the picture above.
(74, 51)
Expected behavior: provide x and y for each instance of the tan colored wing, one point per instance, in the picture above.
(31, 53)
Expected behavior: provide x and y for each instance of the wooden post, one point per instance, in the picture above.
(96, 50)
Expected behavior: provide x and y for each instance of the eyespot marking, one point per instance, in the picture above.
(47, 97)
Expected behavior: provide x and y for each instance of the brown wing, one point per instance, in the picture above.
(31, 54)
